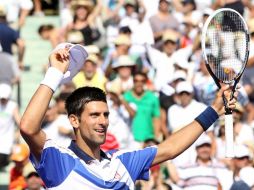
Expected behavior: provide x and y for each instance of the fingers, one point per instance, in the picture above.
(62, 54)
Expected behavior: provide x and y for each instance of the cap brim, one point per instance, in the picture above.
(78, 55)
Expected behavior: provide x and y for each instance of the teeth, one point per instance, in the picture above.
(100, 131)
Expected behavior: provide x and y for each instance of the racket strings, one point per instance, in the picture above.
(227, 43)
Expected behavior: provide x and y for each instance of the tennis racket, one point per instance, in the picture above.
(225, 47)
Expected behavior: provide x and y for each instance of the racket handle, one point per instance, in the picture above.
(229, 136)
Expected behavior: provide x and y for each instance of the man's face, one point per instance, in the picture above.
(139, 84)
(185, 98)
(94, 123)
(204, 152)
(34, 182)
(89, 69)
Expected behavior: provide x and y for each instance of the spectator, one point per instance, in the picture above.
(17, 11)
(242, 168)
(206, 172)
(9, 72)
(9, 116)
(146, 122)
(84, 17)
(182, 112)
(123, 82)
(122, 45)
(34, 182)
(162, 21)
(162, 61)
(51, 33)
(90, 75)
(242, 131)
(118, 126)
(10, 37)
(60, 102)
(19, 156)
(57, 126)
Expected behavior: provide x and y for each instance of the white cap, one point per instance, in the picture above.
(203, 139)
(78, 56)
(241, 151)
(123, 60)
(247, 175)
(5, 91)
(179, 75)
(184, 86)
(208, 11)
(181, 62)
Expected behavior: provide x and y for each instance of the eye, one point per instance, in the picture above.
(106, 115)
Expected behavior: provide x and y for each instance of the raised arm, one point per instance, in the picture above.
(185, 137)
(30, 126)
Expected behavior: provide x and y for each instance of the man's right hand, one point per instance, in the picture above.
(60, 59)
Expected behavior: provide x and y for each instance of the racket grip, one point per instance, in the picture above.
(229, 136)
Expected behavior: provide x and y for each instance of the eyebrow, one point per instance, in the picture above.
(98, 113)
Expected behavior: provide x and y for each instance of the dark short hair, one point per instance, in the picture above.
(62, 96)
(140, 73)
(75, 103)
(31, 174)
(45, 27)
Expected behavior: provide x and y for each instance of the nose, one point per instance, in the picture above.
(103, 120)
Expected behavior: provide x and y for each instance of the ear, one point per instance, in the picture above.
(74, 120)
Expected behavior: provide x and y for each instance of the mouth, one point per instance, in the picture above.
(100, 131)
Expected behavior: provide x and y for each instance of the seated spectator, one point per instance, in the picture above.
(206, 172)
(90, 75)
(124, 67)
(34, 182)
(242, 165)
(19, 156)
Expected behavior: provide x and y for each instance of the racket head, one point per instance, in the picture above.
(225, 45)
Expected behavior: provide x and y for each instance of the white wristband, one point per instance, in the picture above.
(53, 78)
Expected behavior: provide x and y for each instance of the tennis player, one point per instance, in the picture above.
(83, 165)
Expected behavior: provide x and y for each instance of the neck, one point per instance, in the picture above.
(92, 151)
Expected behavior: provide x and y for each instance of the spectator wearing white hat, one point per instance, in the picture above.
(205, 172)
(242, 165)
(9, 119)
(124, 67)
(166, 97)
(181, 113)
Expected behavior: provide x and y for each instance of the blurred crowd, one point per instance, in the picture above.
(146, 54)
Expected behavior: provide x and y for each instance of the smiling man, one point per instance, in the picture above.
(83, 165)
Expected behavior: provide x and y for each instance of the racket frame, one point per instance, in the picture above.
(229, 152)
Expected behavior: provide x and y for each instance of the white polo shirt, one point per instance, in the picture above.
(70, 168)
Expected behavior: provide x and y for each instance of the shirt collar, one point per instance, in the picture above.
(84, 156)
